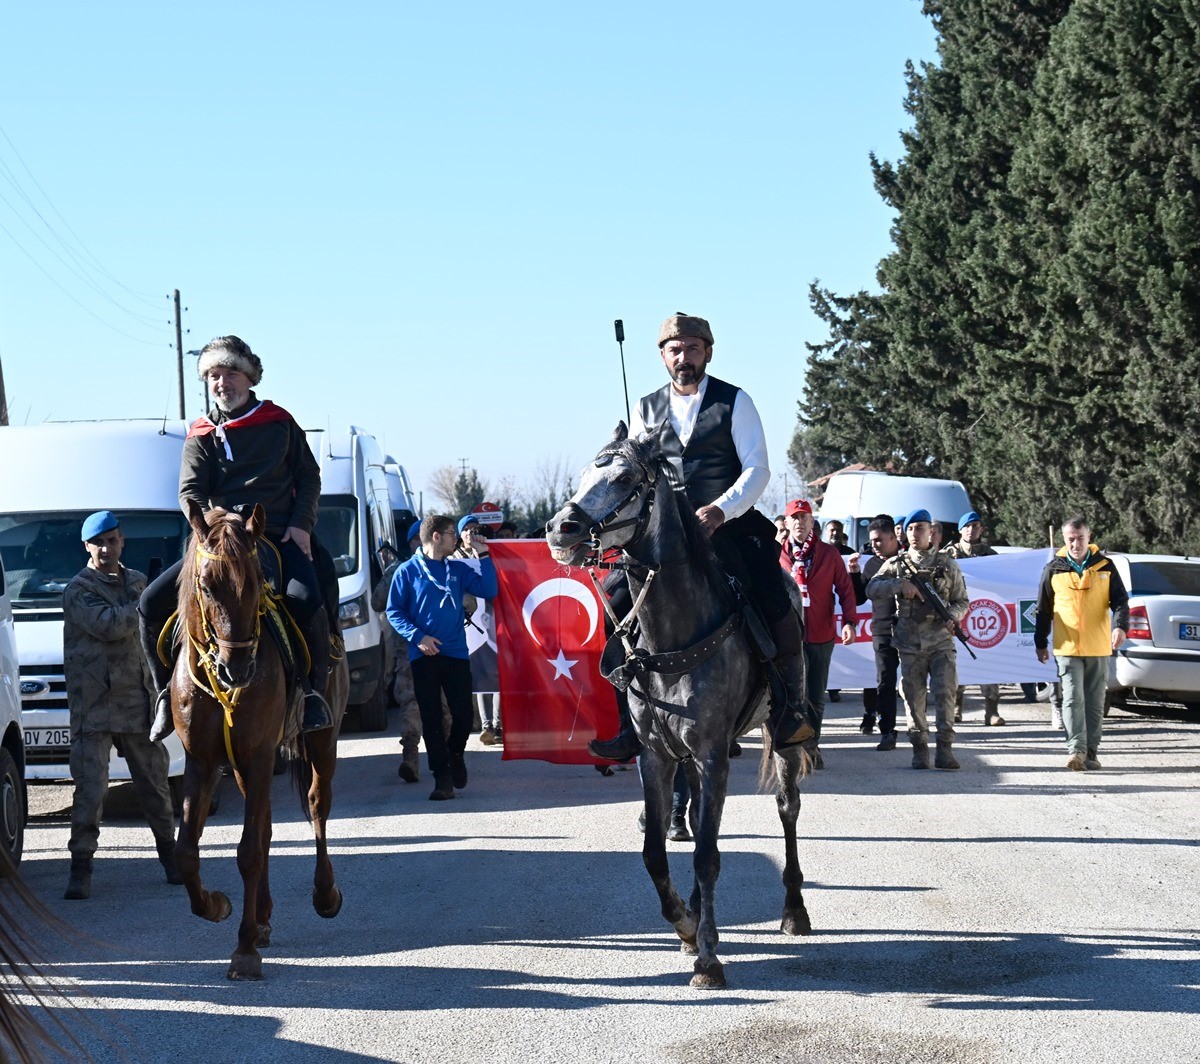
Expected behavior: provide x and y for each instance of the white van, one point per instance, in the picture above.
(54, 476)
(855, 498)
(355, 525)
(13, 797)
(404, 503)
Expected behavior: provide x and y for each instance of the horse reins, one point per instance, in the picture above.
(207, 652)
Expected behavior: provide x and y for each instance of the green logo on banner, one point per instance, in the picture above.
(1027, 609)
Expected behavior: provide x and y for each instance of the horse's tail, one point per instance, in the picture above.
(302, 774)
(26, 1035)
(768, 777)
(768, 772)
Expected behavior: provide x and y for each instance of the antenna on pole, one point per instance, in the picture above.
(619, 329)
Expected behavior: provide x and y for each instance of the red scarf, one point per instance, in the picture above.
(802, 562)
(264, 412)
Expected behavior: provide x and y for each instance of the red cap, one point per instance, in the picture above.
(797, 506)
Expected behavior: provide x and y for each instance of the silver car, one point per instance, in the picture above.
(1160, 662)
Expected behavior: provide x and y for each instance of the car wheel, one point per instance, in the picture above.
(372, 714)
(12, 808)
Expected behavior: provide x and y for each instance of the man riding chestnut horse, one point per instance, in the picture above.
(711, 432)
(249, 451)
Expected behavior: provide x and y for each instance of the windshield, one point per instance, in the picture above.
(337, 529)
(1164, 578)
(43, 551)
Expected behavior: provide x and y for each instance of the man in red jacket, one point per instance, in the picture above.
(819, 571)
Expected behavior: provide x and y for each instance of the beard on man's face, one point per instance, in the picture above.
(687, 375)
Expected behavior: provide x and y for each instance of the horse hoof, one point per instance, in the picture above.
(690, 948)
(686, 929)
(795, 923)
(329, 912)
(708, 976)
(219, 907)
(245, 966)
(264, 936)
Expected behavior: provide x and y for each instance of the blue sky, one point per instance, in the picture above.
(426, 217)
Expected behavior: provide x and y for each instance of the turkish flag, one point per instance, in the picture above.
(549, 636)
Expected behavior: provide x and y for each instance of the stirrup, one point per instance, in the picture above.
(164, 723)
(317, 715)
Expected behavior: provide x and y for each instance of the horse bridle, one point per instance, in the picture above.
(213, 644)
(609, 523)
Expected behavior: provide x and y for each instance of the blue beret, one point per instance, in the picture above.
(100, 522)
(414, 532)
(968, 518)
(917, 515)
(470, 519)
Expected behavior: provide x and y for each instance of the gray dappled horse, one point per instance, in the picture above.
(696, 683)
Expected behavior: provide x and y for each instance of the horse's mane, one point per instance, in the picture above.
(233, 565)
(649, 454)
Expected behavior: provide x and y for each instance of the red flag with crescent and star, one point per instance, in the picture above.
(549, 636)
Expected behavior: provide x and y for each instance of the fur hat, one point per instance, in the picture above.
(680, 324)
(233, 353)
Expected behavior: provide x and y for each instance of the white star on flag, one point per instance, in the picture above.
(562, 666)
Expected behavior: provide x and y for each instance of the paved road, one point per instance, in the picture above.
(1013, 911)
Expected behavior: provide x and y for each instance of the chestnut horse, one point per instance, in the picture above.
(229, 700)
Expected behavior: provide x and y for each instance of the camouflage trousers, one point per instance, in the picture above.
(406, 699)
(148, 763)
(930, 675)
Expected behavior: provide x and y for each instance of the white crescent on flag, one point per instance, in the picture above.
(560, 586)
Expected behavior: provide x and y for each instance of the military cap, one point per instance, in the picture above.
(915, 516)
(969, 518)
(97, 524)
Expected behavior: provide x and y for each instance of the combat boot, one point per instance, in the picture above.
(944, 758)
(678, 831)
(1090, 761)
(991, 713)
(79, 883)
(920, 747)
(166, 857)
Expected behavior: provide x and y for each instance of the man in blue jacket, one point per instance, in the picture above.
(425, 605)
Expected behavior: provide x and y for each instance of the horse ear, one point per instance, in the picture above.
(195, 516)
(621, 432)
(257, 524)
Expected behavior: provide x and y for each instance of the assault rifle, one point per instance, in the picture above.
(933, 599)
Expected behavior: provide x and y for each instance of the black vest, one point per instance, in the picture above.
(710, 462)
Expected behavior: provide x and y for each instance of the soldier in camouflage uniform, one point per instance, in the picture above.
(924, 641)
(970, 544)
(109, 691)
(401, 679)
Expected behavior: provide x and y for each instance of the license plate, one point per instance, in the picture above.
(1189, 631)
(47, 737)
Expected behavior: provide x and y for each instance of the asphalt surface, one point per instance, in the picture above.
(1011, 911)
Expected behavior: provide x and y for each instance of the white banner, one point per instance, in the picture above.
(1003, 593)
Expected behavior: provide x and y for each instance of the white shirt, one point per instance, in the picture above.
(748, 438)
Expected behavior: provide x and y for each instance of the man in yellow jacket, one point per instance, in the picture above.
(1082, 593)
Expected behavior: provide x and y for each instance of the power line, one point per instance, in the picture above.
(90, 282)
(54, 281)
(143, 296)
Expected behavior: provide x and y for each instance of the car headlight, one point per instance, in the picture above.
(354, 613)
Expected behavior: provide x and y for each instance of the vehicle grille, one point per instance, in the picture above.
(52, 692)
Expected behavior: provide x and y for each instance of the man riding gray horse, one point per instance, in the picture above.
(712, 434)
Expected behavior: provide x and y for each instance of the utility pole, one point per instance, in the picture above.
(3, 400)
(179, 354)
(464, 462)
